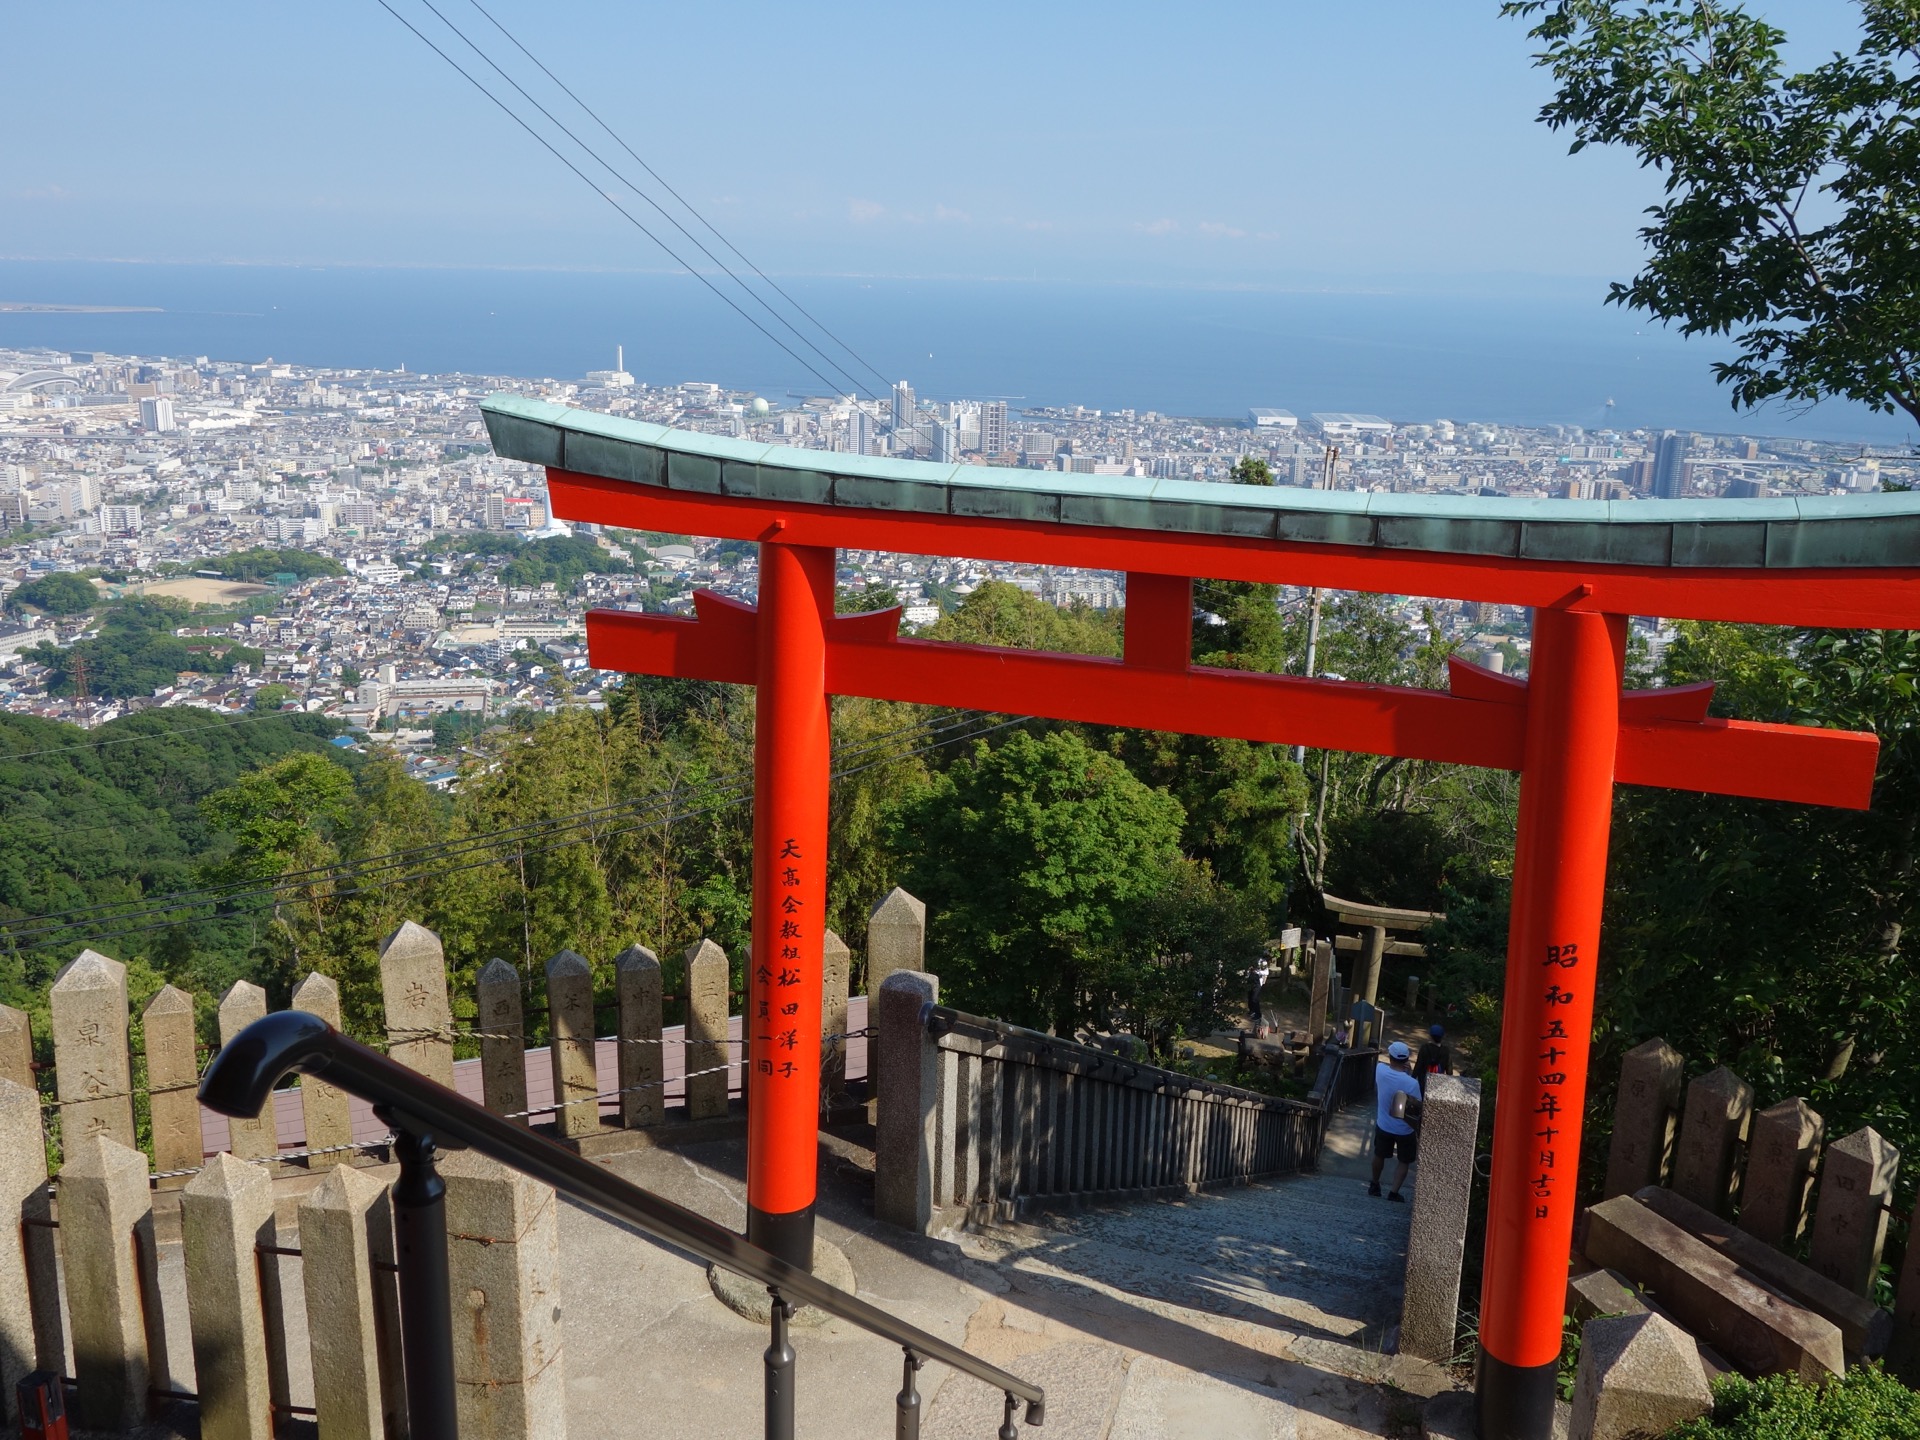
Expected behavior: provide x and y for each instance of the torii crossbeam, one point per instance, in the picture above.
(1570, 730)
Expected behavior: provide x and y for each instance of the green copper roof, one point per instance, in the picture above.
(1845, 532)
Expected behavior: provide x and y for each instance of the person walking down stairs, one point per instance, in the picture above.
(1397, 1102)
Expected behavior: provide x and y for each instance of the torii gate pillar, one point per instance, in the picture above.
(791, 763)
(1559, 885)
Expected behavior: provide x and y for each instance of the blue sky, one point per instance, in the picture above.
(1343, 144)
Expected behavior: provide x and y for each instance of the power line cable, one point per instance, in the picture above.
(631, 219)
(600, 160)
(595, 117)
(913, 425)
(142, 739)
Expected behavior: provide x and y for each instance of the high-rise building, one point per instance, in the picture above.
(945, 448)
(859, 431)
(156, 414)
(1669, 467)
(993, 427)
(120, 519)
(902, 405)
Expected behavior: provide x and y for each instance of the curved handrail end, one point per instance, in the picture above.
(242, 1076)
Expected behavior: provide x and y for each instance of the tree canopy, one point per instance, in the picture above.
(62, 593)
(561, 559)
(262, 562)
(137, 653)
(1032, 858)
(1791, 198)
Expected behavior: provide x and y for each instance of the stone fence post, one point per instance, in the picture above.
(250, 1139)
(636, 982)
(503, 1262)
(708, 980)
(323, 1107)
(1706, 1161)
(1643, 1117)
(572, 1047)
(93, 1073)
(1903, 1357)
(1850, 1217)
(907, 1125)
(16, 1048)
(1436, 1241)
(503, 1056)
(173, 1073)
(896, 940)
(106, 1239)
(343, 1320)
(836, 965)
(30, 1334)
(226, 1213)
(413, 992)
(1781, 1158)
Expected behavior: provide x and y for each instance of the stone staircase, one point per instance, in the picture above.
(1247, 1312)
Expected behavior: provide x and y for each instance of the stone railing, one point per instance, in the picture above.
(80, 1245)
(980, 1121)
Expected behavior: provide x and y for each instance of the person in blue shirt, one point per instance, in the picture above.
(1396, 1100)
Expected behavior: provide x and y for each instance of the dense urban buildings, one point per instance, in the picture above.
(447, 587)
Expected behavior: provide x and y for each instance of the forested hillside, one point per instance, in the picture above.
(94, 824)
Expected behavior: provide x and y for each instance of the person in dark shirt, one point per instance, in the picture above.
(1433, 1057)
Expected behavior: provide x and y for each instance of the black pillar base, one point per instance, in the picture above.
(789, 1236)
(1515, 1402)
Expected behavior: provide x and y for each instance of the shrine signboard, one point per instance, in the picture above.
(1570, 729)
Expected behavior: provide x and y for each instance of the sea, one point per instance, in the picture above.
(1529, 352)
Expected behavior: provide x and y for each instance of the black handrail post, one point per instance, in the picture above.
(426, 1313)
(780, 1373)
(1008, 1430)
(906, 1420)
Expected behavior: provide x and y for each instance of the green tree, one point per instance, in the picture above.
(874, 595)
(62, 593)
(561, 559)
(1252, 470)
(1033, 859)
(272, 814)
(262, 563)
(1000, 613)
(272, 697)
(1791, 199)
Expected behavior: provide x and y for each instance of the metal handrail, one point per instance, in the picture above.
(240, 1082)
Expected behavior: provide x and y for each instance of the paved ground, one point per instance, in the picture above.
(1253, 1312)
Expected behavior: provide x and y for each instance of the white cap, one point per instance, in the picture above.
(1398, 1050)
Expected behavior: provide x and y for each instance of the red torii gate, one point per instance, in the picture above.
(1570, 731)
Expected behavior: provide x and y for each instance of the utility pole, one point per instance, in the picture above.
(1327, 464)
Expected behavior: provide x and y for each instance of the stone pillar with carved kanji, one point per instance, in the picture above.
(93, 1073)
(173, 1074)
(413, 988)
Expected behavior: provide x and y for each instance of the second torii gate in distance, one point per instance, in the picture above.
(1570, 730)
